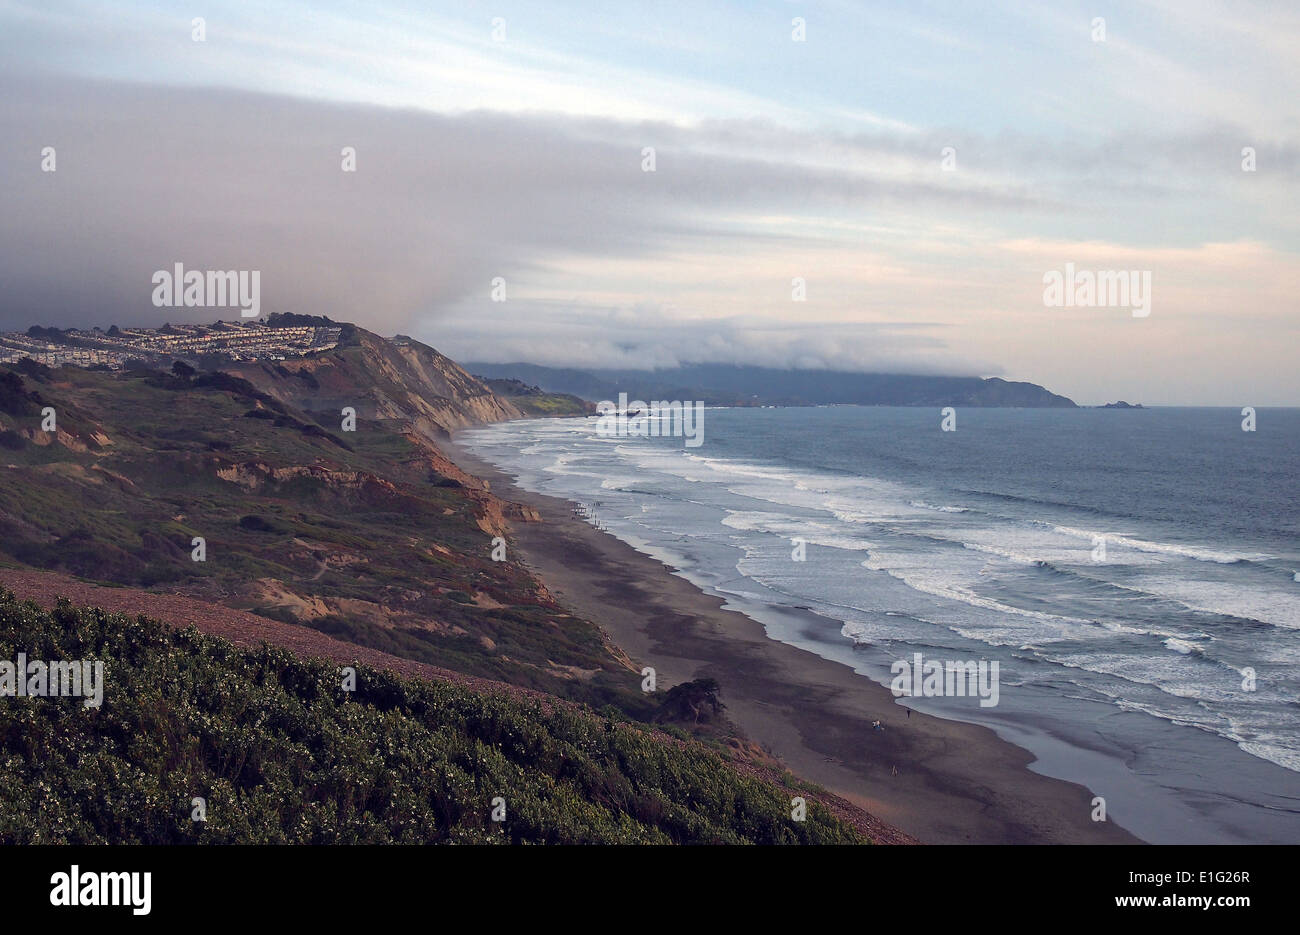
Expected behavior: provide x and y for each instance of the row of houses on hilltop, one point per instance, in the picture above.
(238, 340)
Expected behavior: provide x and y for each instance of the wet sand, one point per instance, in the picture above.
(938, 780)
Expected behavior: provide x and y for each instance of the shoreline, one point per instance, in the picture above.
(956, 782)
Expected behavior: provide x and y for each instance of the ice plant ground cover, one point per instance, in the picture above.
(279, 753)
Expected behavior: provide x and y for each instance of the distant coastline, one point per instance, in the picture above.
(745, 386)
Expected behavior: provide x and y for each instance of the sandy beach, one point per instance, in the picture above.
(941, 781)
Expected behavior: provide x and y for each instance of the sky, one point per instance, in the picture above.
(853, 185)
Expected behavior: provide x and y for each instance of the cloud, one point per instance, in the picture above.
(439, 205)
(649, 338)
(907, 267)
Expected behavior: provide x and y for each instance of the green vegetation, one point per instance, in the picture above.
(695, 701)
(281, 754)
(355, 534)
(534, 401)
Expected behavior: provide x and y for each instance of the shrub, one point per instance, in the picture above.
(282, 755)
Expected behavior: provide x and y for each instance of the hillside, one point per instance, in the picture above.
(534, 401)
(281, 754)
(386, 381)
(372, 536)
(727, 385)
(204, 498)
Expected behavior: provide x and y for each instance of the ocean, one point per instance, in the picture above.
(1135, 574)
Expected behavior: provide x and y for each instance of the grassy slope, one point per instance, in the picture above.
(282, 755)
(534, 401)
(412, 383)
(372, 546)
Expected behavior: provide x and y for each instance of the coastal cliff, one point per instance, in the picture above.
(400, 381)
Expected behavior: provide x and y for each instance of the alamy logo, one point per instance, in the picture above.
(212, 288)
(75, 888)
(921, 679)
(1111, 288)
(56, 679)
(657, 419)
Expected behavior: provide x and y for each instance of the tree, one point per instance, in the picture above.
(695, 700)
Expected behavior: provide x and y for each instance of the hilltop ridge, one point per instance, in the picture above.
(389, 381)
(734, 385)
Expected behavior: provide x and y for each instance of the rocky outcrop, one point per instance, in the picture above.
(435, 460)
(93, 443)
(253, 474)
(495, 514)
